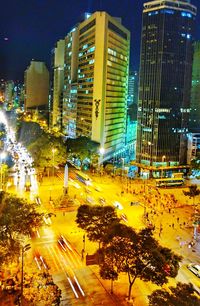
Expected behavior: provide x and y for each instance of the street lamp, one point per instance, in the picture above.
(53, 151)
(2, 156)
(163, 159)
(25, 248)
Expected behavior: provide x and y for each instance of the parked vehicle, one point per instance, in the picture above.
(194, 268)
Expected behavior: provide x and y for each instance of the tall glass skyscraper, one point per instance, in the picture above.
(165, 82)
(194, 125)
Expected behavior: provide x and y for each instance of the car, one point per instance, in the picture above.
(124, 218)
(97, 188)
(102, 200)
(90, 200)
(134, 203)
(47, 219)
(195, 268)
(62, 242)
(37, 200)
(27, 186)
(87, 190)
(118, 205)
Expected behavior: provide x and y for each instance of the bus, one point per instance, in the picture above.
(84, 178)
(169, 182)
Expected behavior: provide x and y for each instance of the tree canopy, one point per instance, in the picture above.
(40, 144)
(96, 220)
(193, 192)
(17, 219)
(182, 294)
(39, 289)
(140, 256)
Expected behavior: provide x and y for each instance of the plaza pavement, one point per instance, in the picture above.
(170, 231)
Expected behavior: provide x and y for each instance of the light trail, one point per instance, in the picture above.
(23, 160)
(75, 293)
(51, 254)
(79, 286)
(37, 262)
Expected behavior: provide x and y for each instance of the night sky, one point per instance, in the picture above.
(30, 28)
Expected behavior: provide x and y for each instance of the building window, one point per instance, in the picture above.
(115, 29)
(88, 26)
(185, 14)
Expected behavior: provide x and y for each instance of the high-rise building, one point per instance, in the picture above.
(194, 124)
(165, 84)
(58, 83)
(36, 84)
(70, 83)
(103, 62)
(96, 81)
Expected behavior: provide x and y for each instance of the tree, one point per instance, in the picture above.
(17, 220)
(193, 192)
(195, 164)
(140, 256)
(40, 144)
(108, 272)
(119, 230)
(39, 289)
(82, 148)
(96, 220)
(182, 294)
(41, 150)
(42, 288)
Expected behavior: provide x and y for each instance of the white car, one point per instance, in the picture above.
(118, 205)
(194, 268)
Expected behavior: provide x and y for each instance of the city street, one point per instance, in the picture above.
(59, 246)
(175, 236)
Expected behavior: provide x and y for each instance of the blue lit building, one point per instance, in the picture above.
(165, 84)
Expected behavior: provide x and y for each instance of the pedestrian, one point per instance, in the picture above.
(169, 210)
(178, 219)
(172, 225)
